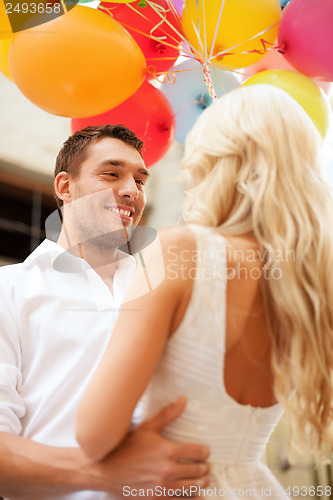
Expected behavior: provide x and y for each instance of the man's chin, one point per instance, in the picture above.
(113, 239)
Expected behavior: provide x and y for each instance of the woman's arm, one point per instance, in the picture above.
(133, 353)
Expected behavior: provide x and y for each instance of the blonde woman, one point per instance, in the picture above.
(242, 324)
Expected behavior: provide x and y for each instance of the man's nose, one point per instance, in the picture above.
(128, 188)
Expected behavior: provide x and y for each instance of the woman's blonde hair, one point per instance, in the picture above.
(254, 157)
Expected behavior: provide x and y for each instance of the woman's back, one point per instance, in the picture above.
(224, 376)
(248, 374)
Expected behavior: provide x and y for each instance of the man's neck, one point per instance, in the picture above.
(102, 260)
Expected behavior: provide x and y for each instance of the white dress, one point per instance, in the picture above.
(192, 365)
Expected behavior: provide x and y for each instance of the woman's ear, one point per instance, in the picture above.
(62, 186)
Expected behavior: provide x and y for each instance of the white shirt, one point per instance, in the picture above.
(56, 317)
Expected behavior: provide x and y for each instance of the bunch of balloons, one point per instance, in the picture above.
(120, 62)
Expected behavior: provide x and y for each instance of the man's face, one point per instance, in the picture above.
(107, 197)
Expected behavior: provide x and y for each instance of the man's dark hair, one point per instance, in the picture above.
(74, 150)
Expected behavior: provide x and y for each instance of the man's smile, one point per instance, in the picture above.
(122, 212)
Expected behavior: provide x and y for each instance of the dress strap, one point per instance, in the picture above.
(208, 298)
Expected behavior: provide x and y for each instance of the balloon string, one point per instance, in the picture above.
(109, 10)
(209, 82)
(174, 11)
(253, 51)
(216, 29)
(201, 47)
(148, 59)
(168, 23)
(152, 37)
(64, 6)
(205, 31)
(163, 76)
(161, 12)
(105, 9)
(281, 48)
(217, 78)
(226, 52)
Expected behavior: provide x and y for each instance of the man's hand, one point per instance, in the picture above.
(31, 471)
(145, 460)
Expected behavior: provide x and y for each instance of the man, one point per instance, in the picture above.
(58, 309)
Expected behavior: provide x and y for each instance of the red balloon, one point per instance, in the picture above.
(160, 53)
(148, 114)
(306, 37)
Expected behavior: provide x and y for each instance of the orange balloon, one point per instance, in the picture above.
(80, 64)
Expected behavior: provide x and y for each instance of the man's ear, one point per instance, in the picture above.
(62, 186)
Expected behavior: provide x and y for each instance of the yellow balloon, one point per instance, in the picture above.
(4, 50)
(304, 90)
(5, 27)
(82, 63)
(235, 26)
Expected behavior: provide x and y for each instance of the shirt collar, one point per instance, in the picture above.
(64, 261)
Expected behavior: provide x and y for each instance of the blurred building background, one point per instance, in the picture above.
(29, 142)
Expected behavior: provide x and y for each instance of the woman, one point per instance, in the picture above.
(242, 324)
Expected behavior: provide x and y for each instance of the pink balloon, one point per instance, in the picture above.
(179, 5)
(306, 36)
(275, 60)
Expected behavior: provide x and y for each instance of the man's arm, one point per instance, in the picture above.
(33, 471)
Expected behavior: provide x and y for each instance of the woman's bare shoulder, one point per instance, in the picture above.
(243, 249)
(177, 238)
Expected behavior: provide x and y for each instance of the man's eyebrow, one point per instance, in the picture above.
(121, 163)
